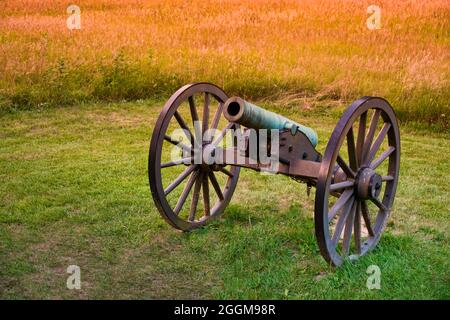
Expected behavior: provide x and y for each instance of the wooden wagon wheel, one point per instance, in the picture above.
(215, 184)
(357, 180)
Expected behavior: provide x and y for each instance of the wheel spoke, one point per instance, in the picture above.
(366, 217)
(351, 150)
(217, 116)
(195, 196)
(193, 109)
(349, 172)
(186, 160)
(381, 158)
(185, 128)
(341, 185)
(370, 134)
(215, 121)
(227, 172)
(185, 193)
(348, 231)
(222, 134)
(195, 121)
(179, 144)
(361, 135)
(379, 204)
(341, 222)
(205, 113)
(216, 186)
(341, 201)
(378, 141)
(179, 179)
(357, 226)
(205, 188)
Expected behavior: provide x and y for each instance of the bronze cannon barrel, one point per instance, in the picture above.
(251, 116)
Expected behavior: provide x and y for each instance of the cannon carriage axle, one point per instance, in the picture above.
(355, 178)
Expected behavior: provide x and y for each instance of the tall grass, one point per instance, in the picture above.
(136, 49)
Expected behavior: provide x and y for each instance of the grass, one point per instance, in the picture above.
(314, 49)
(74, 190)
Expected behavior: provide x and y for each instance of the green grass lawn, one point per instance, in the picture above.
(74, 190)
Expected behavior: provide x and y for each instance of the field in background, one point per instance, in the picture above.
(302, 51)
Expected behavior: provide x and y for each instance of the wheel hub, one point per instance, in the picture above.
(368, 184)
(208, 155)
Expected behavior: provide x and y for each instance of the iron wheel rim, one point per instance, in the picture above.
(155, 154)
(327, 242)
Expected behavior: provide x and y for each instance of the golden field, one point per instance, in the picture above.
(279, 50)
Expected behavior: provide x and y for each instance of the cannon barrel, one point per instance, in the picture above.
(249, 115)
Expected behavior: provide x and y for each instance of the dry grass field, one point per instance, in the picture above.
(302, 51)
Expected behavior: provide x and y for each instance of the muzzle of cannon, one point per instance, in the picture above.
(355, 178)
(251, 116)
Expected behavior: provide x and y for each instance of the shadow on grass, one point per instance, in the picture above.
(278, 258)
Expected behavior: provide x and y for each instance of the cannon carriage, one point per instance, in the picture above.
(203, 138)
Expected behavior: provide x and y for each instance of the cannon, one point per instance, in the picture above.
(202, 139)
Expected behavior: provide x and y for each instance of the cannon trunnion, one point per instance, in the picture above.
(203, 138)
